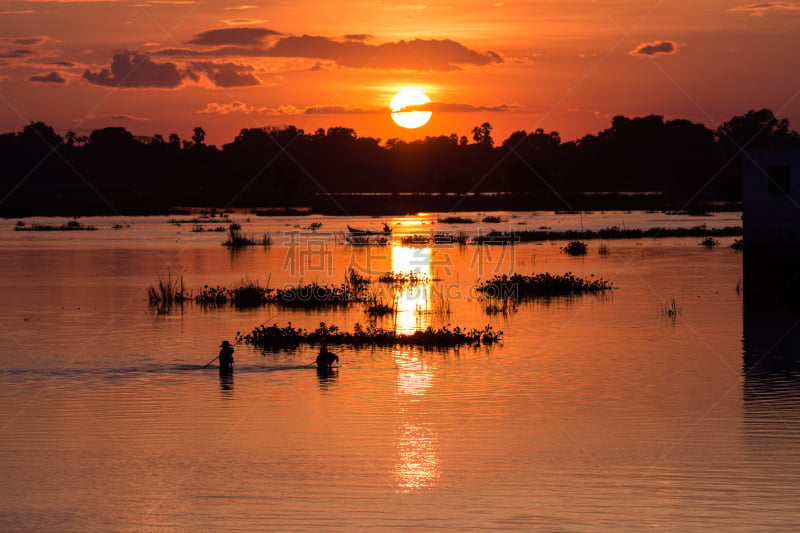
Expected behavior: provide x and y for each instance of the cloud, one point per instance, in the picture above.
(133, 70)
(18, 12)
(240, 8)
(233, 36)
(758, 10)
(27, 41)
(338, 110)
(242, 22)
(655, 48)
(52, 77)
(357, 36)
(117, 117)
(15, 53)
(226, 74)
(227, 109)
(417, 54)
(445, 107)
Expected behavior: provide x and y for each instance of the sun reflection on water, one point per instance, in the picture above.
(411, 298)
(417, 464)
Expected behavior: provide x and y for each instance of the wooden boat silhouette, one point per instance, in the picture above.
(361, 231)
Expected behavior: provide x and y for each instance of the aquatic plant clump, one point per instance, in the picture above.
(455, 220)
(72, 225)
(575, 248)
(311, 296)
(237, 239)
(168, 292)
(518, 286)
(275, 337)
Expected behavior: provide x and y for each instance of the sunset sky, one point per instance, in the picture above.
(163, 66)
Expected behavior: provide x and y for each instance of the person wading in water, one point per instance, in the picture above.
(325, 359)
(225, 358)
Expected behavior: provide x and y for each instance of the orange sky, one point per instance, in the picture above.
(163, 66)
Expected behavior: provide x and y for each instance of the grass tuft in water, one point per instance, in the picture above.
(518, 286)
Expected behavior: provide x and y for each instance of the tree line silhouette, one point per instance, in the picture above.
(112, 171)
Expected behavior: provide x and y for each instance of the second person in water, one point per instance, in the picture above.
(325, 359)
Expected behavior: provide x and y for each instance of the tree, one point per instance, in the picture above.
(483, 134)
(199, 136)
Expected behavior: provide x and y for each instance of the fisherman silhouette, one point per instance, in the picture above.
(225, 358)
(325, 359)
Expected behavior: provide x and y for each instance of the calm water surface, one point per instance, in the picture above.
(593, 414)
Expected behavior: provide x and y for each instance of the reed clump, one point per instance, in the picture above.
(455, 220)
(575, 248)
(518, 286)
(709, 242)
(275, 337)
(171, 291)
(237, 239)
(738, 244)
(491, 219)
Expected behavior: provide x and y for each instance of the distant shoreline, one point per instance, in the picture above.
(389, 204)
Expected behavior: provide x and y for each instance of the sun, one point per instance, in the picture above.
(410, 119)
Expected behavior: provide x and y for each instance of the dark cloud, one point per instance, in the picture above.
(226, 74)
(357, 36)
(27, 41)
(655, 48)
(133, 70)
(52, 77)
(14, 54)
(233, 36)
(418, 54)
(445, 107)
(758, 10)
(63, 63)
(338, 110)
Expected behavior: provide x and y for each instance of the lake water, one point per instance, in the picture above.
(593, 414)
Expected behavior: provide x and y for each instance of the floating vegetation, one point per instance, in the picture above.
(518, 286)
(168, 292)
(449, 237)
(415, 240)
(491, 219)
(199, 228)
(20, 223)
(314, 295)
(314, 226)
(252, 294)
(237, 239)
(603, 249)
(275, 337)
(709, 242)
(403, 278)
(575, 248)
(366, 240)
(455, 220)
(120, 226)
(379, 308)
(738, 244)
(614, 232)
(199, 220)
(72, 225)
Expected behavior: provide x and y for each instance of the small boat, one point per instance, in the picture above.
(360, 231)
